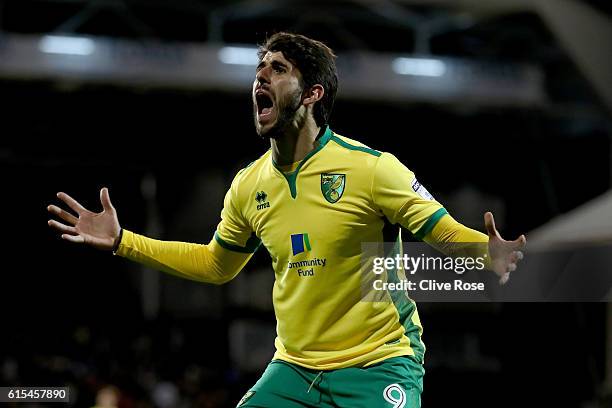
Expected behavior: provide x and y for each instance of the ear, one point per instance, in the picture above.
(314, 94)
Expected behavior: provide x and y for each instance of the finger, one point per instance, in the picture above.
(71, 202)
(62, 228)
(511, 267)
(105, 199)
(73, 238)
(516, 256)
(64, 215)
(490, 223)
(520, 242)
(504, 278)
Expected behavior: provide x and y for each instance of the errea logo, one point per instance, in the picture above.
(261, 197)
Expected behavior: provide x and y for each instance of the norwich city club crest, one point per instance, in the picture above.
(332, 186)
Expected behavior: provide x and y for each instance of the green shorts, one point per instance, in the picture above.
(394, 383)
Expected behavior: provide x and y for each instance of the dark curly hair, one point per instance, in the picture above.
(316, 62)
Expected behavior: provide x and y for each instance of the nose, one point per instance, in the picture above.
(262, 76)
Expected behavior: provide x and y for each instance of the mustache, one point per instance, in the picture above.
(285, 116)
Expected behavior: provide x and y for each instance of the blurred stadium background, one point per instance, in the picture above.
(501, 105)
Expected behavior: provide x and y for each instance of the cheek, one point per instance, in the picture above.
(290, 89)
(295, 84)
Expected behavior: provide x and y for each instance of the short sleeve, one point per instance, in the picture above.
(402, 199)
(234, 232)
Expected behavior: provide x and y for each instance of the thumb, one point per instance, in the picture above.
(520, 242)
(490, 224)
(105, 199)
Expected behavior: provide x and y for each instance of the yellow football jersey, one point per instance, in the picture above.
(313, 222)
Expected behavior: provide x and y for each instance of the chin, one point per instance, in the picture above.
(268, 131)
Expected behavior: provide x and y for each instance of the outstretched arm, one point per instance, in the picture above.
(503, 255)
(403, 200)
(206, 263)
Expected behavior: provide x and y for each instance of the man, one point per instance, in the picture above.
(311, 200)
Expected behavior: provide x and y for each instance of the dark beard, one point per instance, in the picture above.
(285, 117)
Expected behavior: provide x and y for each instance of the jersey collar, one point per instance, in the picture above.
(292, 177)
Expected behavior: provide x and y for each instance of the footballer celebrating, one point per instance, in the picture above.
(311, 200)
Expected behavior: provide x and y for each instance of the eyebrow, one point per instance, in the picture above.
(274, 63)
(279, 64)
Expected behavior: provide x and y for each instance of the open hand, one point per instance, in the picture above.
(100, 230)
(505, 255)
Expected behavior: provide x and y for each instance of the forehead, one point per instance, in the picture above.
(276, 56)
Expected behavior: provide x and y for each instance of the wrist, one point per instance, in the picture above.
(117, 241)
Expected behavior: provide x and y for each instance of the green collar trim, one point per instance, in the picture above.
(292, 177)
(357, 148)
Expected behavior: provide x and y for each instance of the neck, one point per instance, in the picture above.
(293, 145)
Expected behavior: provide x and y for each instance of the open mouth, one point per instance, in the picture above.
(265, 105)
